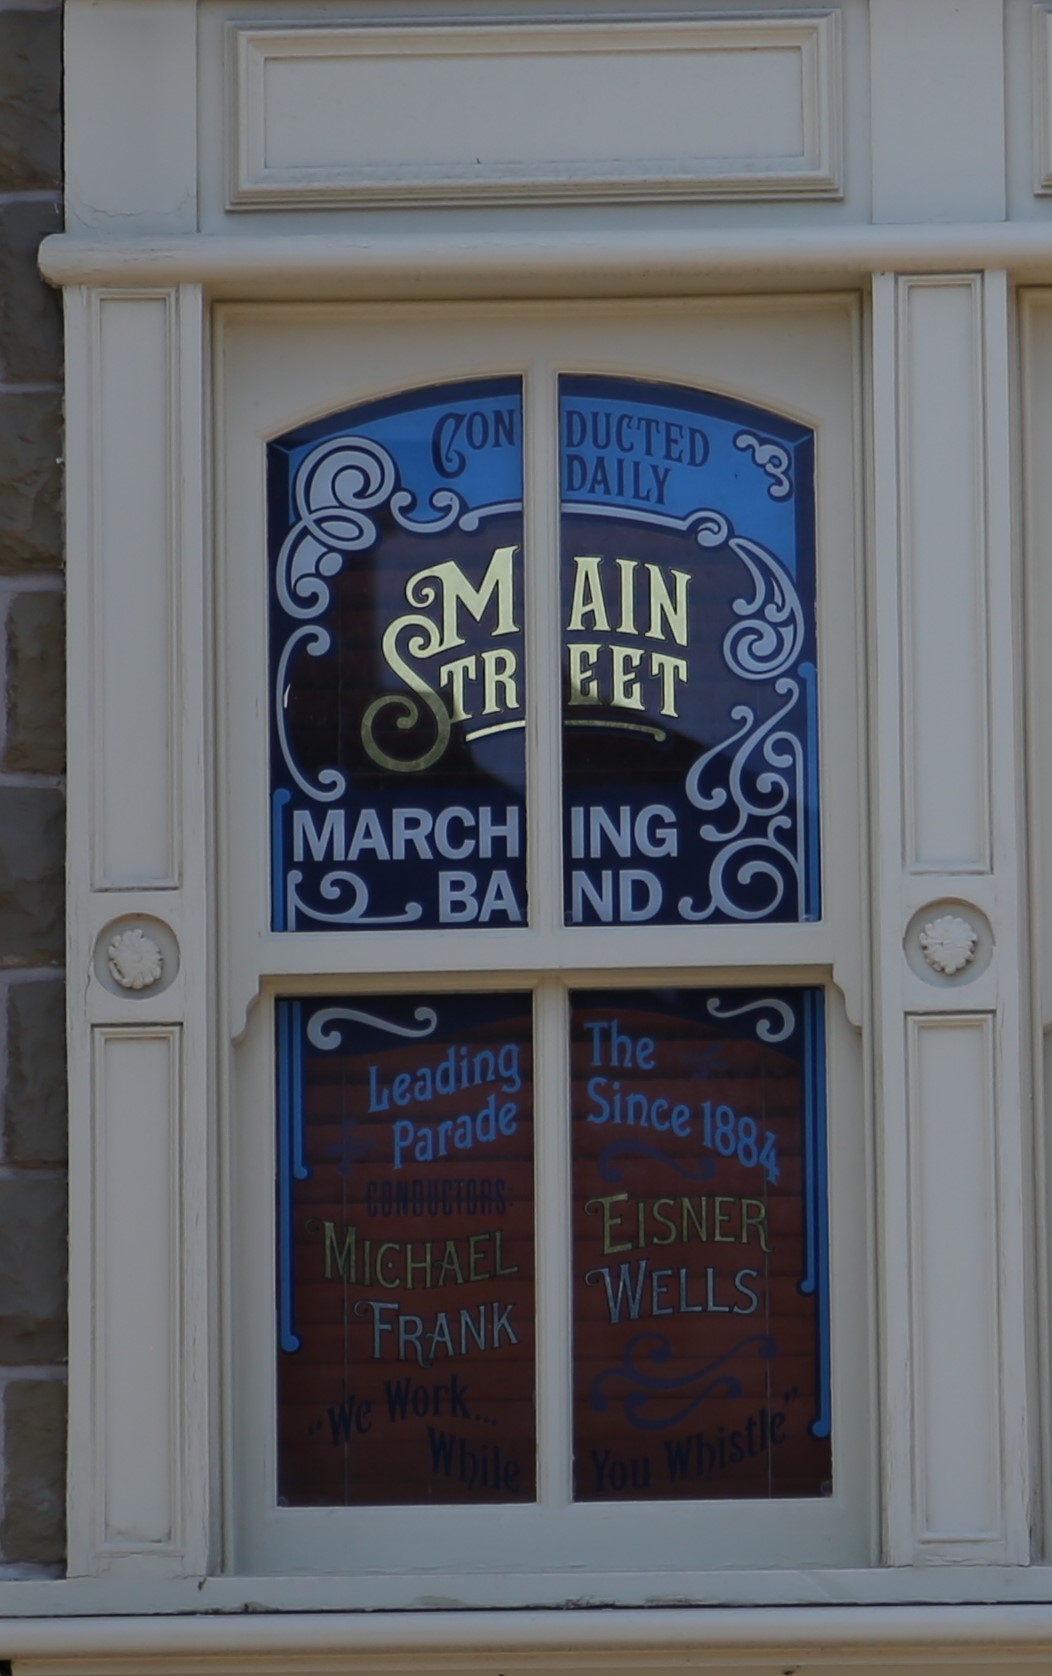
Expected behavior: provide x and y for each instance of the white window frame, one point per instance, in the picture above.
(272, 370)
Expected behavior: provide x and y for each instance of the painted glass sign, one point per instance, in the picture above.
(405, 1251)
(397, 672)
(690, 765)
(689, 707)
(701, 1353)
(406, 1340)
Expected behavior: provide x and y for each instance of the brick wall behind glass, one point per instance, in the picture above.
(33, 1247)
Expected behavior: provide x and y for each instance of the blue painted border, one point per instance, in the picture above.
(278, 803)
(291, 1164)
(811, 813)
(816, 1195)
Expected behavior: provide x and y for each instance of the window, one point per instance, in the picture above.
(545, 1045)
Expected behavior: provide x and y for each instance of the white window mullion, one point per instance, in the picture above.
(544, 825)
(553, 1223)
(543, 648)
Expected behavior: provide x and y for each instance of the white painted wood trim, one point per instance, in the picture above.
(937, 110)
(138, 169)
(138, 861)
(952, 1048)
(1042, 99)
(940, 1637)
(875, 1592)
(353, 125)
(653, 262)
(273, 366)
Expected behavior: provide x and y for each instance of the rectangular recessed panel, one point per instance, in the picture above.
(700, 1270)
(136, 1106)
(944, 577)
(952, 1119)
(133, 582)
(405, 1251)
(745, 106)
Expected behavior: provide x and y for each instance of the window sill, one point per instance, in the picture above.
(896, 1613)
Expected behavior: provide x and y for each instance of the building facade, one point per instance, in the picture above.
(559, 794)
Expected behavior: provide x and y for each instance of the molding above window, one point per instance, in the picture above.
(658, 110)
(416, 266)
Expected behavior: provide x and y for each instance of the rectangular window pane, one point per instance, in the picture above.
(405, 1250)
(690, 733)
(397, 677)
(701, 1351)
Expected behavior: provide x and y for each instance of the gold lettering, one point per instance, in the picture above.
(454, 675)
(407, 710)
(669, 670)
(754, 1215)
(688, 1213)
(608, 1221)
(584, 688)
(389, 1285)
(342, 1256)
(662, 605)
(413, 1263)
(498, 1255)
(663, 1220)
(723, 1216)
(476, 1258)
(627, 569)
(625, 693)
(451, 1261)
(587, 595)
(455, 591)
(498, 673)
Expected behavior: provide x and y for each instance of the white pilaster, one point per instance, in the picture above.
(131, 115)
(951, 1043)
(139, 1081)
(937, 102)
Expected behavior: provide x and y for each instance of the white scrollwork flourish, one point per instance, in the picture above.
(780, 750)
(337, 487)
(770, 637)
(445, 503)
(771, 458)
(334, 888)
(739, 866)
(775, 756)
(766, 1028)
(323, 1031)
(710, 528)
(331, 783)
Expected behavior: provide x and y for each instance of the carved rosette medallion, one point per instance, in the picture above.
(948, 944)
(134, 959)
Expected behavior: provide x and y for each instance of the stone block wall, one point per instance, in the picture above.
(33, 1245)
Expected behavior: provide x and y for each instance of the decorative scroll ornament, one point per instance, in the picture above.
(948, 943)
(772, 458)
(134, 959)
(763, 645)
(336, 887)
(323, 1031)
(340, 490)
(774, 759)
(775, 1023)
(646, 1386)
(768, 639)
